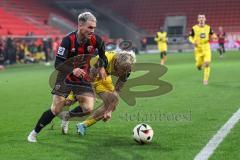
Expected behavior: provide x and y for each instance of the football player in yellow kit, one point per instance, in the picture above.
(120, 65)
(200, 36)
(161, 39)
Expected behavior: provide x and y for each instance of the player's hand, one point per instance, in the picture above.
(78, 72)
(102, 73)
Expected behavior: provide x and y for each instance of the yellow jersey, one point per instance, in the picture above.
(201, 36)
(111, 56)
(105, 85)
(161, 39)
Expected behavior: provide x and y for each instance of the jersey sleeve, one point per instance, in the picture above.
(191, 36)
(102, 60)
(63, 49)
(156, 37)
(211, 31)
(61, 63)
(192, 33)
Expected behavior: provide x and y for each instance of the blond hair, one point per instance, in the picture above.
(86, 16)
(125, 59)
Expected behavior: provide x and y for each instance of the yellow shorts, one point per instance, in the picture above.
(99, 86)
(39, 56)
(104, 85)
(162, 47)
(201, 57)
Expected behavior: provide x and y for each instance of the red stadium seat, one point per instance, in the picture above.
(149, 15)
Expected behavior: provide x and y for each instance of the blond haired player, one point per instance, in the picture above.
(161, 39)
(120, 65)
(200, 36)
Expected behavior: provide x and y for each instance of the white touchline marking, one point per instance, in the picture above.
(208, 150)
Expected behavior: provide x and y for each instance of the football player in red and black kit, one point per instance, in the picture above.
(1, 55)
(221, 40)
(73, 66)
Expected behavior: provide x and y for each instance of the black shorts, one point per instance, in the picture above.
(163, 54)
(63, 88)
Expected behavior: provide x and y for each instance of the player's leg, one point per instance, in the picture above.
(64, 115)
(106, 91)
(161, 56)
(199, 61)
(220, 50)
(56, 107)
(164, 57)
(207, 60)
(86, 102)
(110, 100)
(85, 96)
(223, 47)
(111, 107)
(164, 49)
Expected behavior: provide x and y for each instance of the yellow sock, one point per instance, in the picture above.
(206, 73)
(89, 122)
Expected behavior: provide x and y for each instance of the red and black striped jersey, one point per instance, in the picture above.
(74, 54)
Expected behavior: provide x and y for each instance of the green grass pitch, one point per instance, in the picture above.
(25, 94)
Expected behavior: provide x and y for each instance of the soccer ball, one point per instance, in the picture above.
(143, 133)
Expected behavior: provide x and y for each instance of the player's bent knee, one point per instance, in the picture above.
(88, 108)
(55, 110)
(88, 111)
(58, 104)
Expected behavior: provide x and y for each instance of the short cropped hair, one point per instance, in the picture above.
(86, 16)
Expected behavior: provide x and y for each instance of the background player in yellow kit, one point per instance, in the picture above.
(200, 36)
(120, 65)
(161, 39)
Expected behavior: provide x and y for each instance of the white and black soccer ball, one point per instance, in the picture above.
(143, 133)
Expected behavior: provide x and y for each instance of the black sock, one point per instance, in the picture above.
(76, 112)
(45, 119)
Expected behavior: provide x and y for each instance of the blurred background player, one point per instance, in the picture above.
(161, 39)
(120, 65)
(78, 46)
(221, 40)
(1, 55)
(200, 36)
